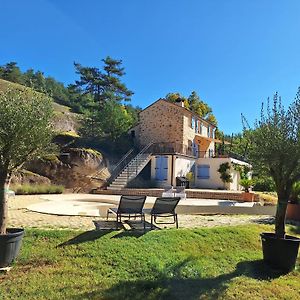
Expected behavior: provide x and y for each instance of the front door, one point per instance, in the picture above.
(161, 168)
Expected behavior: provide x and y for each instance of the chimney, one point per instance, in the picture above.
(180, 102)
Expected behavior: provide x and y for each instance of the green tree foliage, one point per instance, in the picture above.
(276, 146)
(11, 72)
(195, 104)
(224, 170)
(103, 85)
(112, 121)
(25, 132)
(94, 86)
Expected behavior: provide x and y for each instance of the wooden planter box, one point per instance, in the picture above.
(293, 212)
(248, 197)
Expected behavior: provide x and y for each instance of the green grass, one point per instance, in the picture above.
(215, 263)
(35, 189)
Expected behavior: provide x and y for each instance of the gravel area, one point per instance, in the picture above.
(19, 216)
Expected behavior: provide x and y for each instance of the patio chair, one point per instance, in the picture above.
(164, 207)
(180, 192)
(129, 206)
(168, 192)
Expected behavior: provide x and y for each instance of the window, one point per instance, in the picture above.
(208, 131)
(196, 128)
(203, 171)
(193, 123)
(201, 125)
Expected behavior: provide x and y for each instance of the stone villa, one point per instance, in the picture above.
(175, 142)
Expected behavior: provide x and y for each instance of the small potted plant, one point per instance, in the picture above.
(25, 131)
(247, 183)
(293, 208)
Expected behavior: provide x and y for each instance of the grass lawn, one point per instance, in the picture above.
(205, 263)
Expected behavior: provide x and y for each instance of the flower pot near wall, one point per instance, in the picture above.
(10, 245)
(280, 253)
(249, 197)
(293, 212)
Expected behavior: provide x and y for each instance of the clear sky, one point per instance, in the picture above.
(233, 53)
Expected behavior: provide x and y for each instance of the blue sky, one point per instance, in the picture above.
(233, 53)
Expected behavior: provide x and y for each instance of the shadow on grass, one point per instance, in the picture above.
(265, 220)
(295, 229)
(85, 237)
(170, 284)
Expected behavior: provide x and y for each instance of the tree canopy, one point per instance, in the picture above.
(103, 85)
(275, 146)
(25, 132)
(195, 104)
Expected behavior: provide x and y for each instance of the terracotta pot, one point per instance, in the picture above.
(293, 212)
(249, 197)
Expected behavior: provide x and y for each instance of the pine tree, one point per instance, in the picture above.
(104, 84)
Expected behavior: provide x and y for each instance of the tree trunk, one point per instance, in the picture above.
(280, 217)
(4, 185)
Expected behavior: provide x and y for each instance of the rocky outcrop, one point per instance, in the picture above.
(66, 122)
(27, 177)
(78, 169)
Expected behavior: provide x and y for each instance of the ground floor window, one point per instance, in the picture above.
(203, 171)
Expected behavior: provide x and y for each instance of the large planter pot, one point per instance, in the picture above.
(280, 253)
(10, 245)
(293, 212)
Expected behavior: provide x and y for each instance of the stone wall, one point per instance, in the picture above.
(161, 122)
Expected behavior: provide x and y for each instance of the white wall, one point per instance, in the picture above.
(183, 165)
(214, 181)
(163, 183)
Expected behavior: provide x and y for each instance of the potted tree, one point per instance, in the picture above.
(247, 183)
(275, 148)
(25, 131)
(293, 208)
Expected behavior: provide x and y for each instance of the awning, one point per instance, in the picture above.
(205, 140)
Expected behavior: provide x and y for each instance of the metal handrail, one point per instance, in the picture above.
(123, 158)
(120, 165)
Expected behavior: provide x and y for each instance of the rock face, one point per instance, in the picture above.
(26, 177)
(78, 169)
(66, 121)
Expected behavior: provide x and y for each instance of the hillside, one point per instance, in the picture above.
(64, 120)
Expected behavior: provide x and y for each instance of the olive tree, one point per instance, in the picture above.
(25, 131)
(275, 147)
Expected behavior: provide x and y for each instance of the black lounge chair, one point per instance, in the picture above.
(129, 206)
(164, 207)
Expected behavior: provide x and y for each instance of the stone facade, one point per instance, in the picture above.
(166, 122)
(161, 122)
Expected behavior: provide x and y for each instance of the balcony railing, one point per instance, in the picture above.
(177, 148)
(171, 148)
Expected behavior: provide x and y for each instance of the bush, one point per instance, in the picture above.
(295, 194)
(34, 189)
(264, 184)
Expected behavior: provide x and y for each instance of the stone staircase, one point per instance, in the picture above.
(131, 169)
